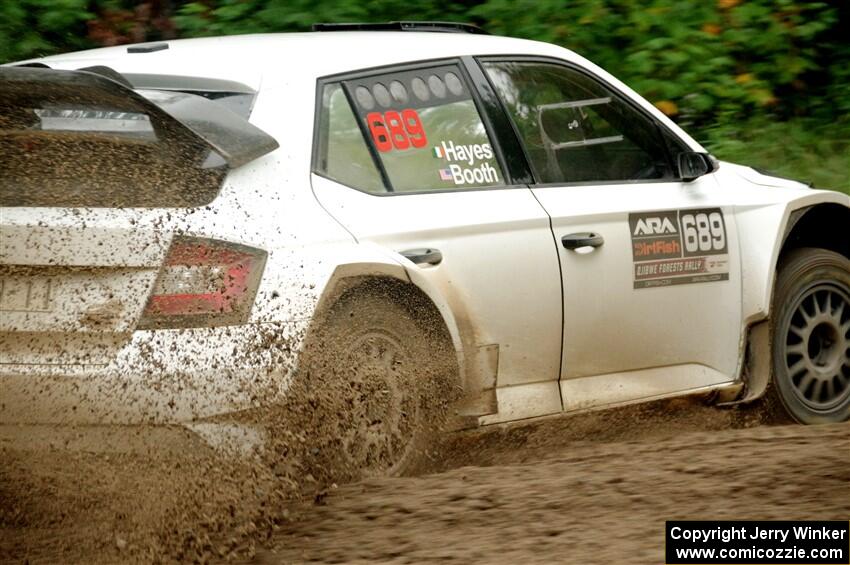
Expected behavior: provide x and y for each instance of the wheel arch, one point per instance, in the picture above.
(393, 280)
(810, 225)
(818, 226)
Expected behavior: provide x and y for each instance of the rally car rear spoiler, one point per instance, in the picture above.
(24, 89)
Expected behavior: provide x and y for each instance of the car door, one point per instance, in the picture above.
(405, 159)
(651, 274)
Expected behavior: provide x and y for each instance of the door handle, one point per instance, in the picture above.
(419, 256)
(586, 239)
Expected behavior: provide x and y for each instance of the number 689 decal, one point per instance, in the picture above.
(703, 232)
(393, 130)
(673, 247)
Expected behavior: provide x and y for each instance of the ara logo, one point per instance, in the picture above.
(654, 226)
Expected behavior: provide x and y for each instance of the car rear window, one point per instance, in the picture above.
(86, 158)
(420, 128)
(66, 153)
(235, 96)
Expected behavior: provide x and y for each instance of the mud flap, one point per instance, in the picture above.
(480, 398)
(758, 366)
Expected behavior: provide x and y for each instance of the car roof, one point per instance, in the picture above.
(262, 58)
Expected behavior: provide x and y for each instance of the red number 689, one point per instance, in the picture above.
(394, 130)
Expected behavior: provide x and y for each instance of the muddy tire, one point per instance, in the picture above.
(380, 376)
(811, 337)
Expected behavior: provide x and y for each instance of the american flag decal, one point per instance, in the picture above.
(445, 174)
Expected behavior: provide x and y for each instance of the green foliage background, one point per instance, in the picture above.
(765, 82)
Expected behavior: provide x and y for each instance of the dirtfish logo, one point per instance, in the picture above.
(654, 226)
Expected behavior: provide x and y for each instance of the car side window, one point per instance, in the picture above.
(422, 127)
(343, 156)
(575, 129)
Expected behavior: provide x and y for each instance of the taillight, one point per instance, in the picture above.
(204, 282)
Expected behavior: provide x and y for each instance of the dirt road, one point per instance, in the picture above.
(544, 498)
(589, 489)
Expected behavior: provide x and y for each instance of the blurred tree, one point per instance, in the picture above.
(32, 27)
(695, 60)
(703, 62)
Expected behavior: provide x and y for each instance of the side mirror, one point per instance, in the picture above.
(693, 165)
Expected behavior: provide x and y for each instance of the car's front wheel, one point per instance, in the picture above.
(811, 336)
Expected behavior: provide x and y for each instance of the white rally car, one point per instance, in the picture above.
(180, 217)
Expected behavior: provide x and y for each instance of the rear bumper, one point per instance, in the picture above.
(178, 441)
(162, 376)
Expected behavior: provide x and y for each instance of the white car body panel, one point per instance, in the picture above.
(498, 271)
(498, 248)
(618, 389)
(611, 327)
(763, 206)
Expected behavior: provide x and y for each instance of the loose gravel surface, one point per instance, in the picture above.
(595, 488)
(589, 504)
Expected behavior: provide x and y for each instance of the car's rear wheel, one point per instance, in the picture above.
(380, 374)
(811, 336)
